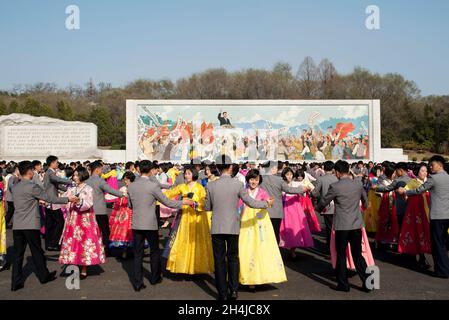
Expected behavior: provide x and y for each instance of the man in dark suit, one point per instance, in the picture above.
(222, 198)
(348, 223)
(54, 219)
(26, 228)
(223, 118)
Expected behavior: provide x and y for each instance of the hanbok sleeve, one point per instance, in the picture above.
(174, 192)
(201, 192)
(86, 200)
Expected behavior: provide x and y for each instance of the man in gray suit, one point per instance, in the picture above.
(142, 197)
(54, 219)
(37, 169)
(348, 222)
(438, 185)
(274, 185)
(322, 186)
(222, 198)
(100, 187)
(26, 229)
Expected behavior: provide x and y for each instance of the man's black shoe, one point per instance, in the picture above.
(51, 277)
(17, 287)
(139, 288)
(342, 289)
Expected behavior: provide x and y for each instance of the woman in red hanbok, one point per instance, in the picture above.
(81, 241)
(120, 220)
(415, 232)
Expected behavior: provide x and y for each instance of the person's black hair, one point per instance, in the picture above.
(68, 172)
(24, 167)
(113, 166)
(401, 165)
(299, 173)
(73, 164)
(165, 166)
(417, 167)
(328, 166)
(213, 169)
(11, 168)
(129, 175)
(128, 165)
(235, 169)
(146, 166)
(280, 165)
(389, 170)
(341, 166)
(51, 159)
(36, 163)
(223, 162)
(438, 159)
(192, 169)
(285, 171)
(252, 174)
(61, 166)
(83, 174)
(94, 165)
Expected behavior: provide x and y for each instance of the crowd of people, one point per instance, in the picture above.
(232, 220)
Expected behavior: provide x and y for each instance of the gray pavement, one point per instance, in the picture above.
(309, 277)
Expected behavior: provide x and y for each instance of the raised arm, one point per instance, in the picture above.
(389, 188)
(57, 180)
(108, 189)
(250, 202)
(157, 193)
(39, 194)
(173, 193)
(422, 188)
(291, 190)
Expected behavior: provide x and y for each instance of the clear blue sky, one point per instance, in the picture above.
(120, 41)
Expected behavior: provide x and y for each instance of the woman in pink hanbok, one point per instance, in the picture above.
(295, 231)
(306, 202)
(81, 240)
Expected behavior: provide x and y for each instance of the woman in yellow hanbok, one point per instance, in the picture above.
(371, 213)
(3, 264)
(259, 256)
(191, 252)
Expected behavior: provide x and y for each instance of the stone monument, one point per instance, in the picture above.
(26, 137)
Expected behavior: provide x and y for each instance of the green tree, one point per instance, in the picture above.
(64, 111)
(3, 108)
(102, 118)
(14, 107)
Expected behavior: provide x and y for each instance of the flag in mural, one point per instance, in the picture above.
(252, 133)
